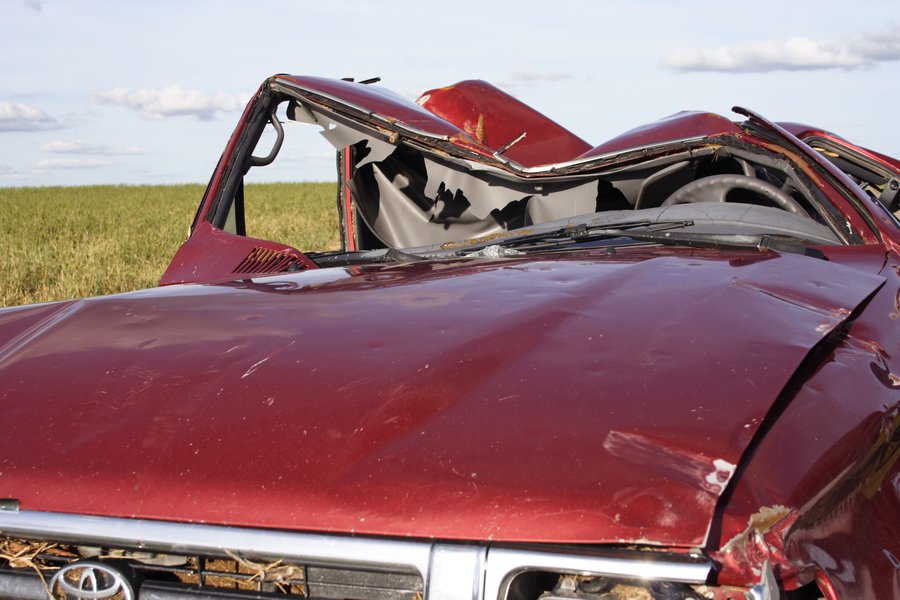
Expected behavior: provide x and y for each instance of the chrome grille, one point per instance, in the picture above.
(28, 566)
(164, 560)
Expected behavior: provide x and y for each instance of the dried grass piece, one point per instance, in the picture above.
(22, 554)
(274, 572)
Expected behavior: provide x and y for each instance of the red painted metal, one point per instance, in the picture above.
(496, 119)
(886, 228)
(264, 260)
(682, 125)
(805, 132)
(216, 182)
(349, 215)
(211, 254)
(830, 459)
(429, 399)
(840, 189)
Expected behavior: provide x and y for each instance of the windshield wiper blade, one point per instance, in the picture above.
(644, 232)
(571, 234)
(760, 242)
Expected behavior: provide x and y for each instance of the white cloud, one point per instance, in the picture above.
(22, 117)
(794, 54)
(50, 164)
(880, 46)
(172, 101)
(35, 5)
(82, 147)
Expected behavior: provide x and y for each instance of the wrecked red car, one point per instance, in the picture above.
(667, 366)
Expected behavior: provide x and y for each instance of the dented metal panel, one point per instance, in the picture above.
(827, 465)
(448, 414)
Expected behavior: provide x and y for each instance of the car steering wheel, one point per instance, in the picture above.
(716, 188)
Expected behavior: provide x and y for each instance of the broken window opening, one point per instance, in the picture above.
(393, 191)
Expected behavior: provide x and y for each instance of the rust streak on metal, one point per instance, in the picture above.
(478, 131)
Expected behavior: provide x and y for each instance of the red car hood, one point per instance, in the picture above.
(568, 399)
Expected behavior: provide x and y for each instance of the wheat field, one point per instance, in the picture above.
(71, 242)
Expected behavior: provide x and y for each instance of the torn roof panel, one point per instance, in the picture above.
(496, 119)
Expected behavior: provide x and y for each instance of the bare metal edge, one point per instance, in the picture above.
(767, 588)
(450, 571)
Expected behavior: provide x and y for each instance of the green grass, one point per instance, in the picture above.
(71, 242)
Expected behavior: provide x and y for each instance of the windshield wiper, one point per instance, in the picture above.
(641, 232)
(761, 242)
(563, 236)
(626, 233)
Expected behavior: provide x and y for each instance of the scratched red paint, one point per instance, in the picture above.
(203, 386)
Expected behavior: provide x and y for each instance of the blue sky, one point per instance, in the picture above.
(148, 92)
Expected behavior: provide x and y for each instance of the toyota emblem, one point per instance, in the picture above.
(90, 580)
